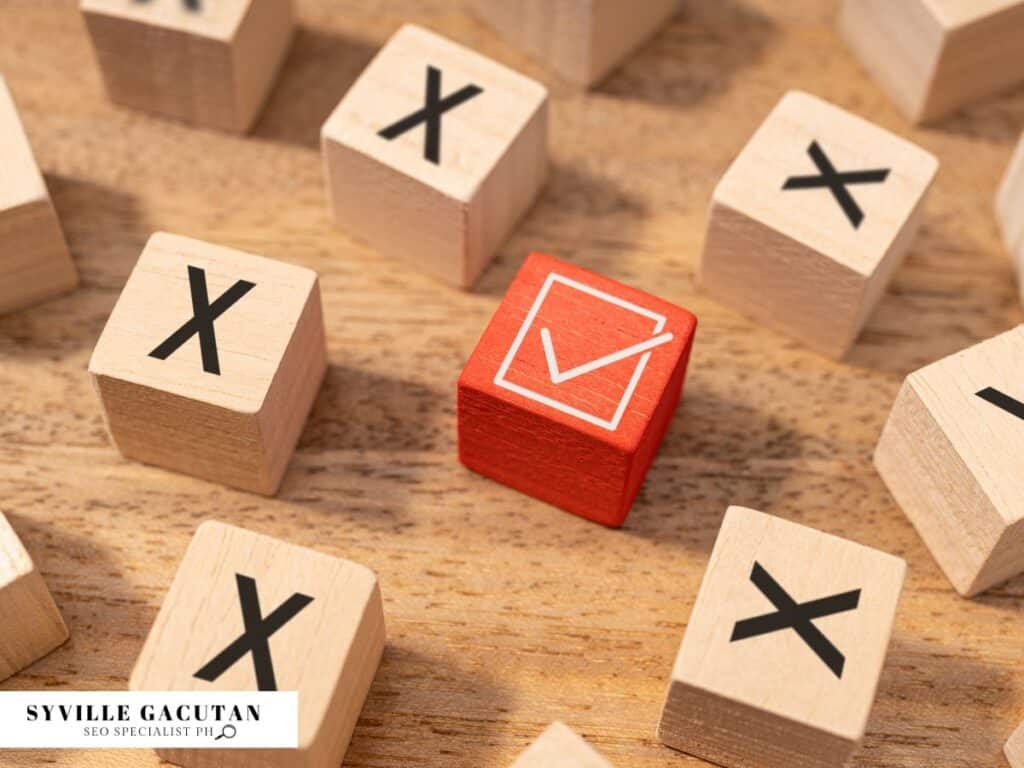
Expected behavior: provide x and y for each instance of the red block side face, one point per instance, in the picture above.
(571, 387)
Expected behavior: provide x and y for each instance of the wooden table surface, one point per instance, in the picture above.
(503, 613)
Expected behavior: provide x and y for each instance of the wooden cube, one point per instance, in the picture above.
(950, 454)
(326, 641)
(207, 62)
(211, 361)
(32, 625)
(560, 747)
(934, 56)
(581, 40)
(571, 388)
(784, 648)
(811, 220)
(435, 154)
(34, 260)
(1015, 748)
(1010, 211)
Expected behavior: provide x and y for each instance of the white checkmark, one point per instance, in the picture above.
(557, 376)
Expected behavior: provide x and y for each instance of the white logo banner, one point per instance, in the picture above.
(111, 719)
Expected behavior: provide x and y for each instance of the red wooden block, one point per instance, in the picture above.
(571, 388)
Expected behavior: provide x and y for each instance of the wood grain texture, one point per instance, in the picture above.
(504, 614)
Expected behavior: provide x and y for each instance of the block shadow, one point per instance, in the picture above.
(319, 70)
(694, 57)
(996, 119)
(937, 706)
(105, 232)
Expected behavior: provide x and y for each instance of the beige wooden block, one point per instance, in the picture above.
(784, 648)
(435, 154)
(581, 40)
(31, 624)
(950, 454)
(207, 62)
(1015, 748)
(1010, 211)
(34, 260)
(211, 361)
(934, 56)
(326, 644)
(560, 747)
(811, 219)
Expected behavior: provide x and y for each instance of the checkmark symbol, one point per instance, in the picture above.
(558, 376)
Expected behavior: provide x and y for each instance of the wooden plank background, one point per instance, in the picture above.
(504, 614)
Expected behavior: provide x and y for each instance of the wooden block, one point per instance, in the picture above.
(207, 62)
(933, 57)
(581, 40)
(784, 648)
(811, 220)
(950, 454)
(211, 361)
(34, 261)
(32, 625)
(328, 649)
(571, 388)
(1015, 748)
(1010, 210)
(435, 154)
(560, 747)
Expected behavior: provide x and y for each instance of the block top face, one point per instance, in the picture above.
(829, 180)
(314, 604)
(560, 747)
(158, 334)
(14, 559)
(216, 19)
(586, 351)
(958, 13)
(792, 621)
(436, 111)
(20, 179)
(976, 397)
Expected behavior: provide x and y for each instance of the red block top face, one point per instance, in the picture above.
(580, 349)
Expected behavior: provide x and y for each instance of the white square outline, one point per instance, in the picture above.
(610, 424)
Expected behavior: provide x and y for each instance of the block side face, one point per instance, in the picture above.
(216, 19)
(474, 134)
(167, 71)
(778, 281)
(1015, 748)
(397, 215)
(776, 670)
(619, 28)
(581, 350)
(725, 732)
(1010, 201)
(981, 57)
(507, 193)
(34, 626)
(899, 45)
(260, 46)
(20, 179)
(782, 154)
(201, 616)
(560, 747)
(15, 561)
(558, 34)
(252, 333)
(35, 264)
(988, 438)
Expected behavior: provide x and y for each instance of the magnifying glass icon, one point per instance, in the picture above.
(227, 732)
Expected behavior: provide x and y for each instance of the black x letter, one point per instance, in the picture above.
(257, 632)
(203, 315)
(431, 114)
(837, 182)
(1001, 400)
(798, 617)
(192, 5)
